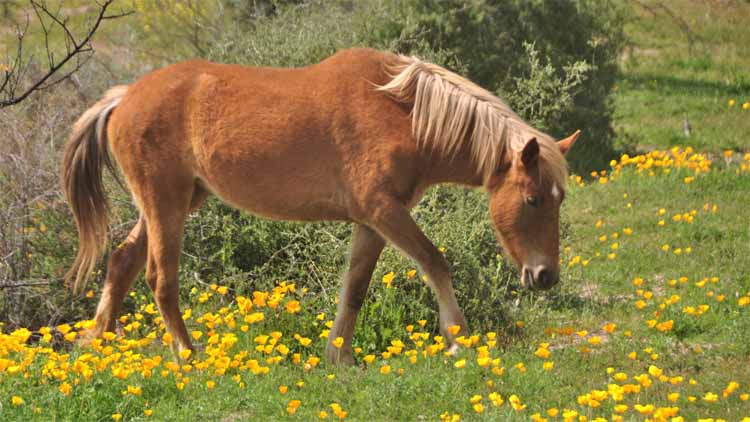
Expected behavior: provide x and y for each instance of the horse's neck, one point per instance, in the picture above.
(458, 169)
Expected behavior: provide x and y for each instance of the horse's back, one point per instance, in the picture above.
(280, 142)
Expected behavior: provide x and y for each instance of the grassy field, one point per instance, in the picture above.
(649, 323)
(637, 330)
(666, 80)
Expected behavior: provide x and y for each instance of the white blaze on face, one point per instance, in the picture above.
(555, 192)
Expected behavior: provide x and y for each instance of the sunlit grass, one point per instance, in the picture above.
(644, 334)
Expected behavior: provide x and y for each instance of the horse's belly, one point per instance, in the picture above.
(280, 203)
(291, 186)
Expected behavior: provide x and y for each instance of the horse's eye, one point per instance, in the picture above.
(533, 201)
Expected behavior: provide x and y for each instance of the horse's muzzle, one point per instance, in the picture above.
(539, 278)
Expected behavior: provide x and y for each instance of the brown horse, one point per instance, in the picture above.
(357, 137)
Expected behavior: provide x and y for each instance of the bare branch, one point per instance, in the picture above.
(691, 35)
(78, 51)
(27, 284)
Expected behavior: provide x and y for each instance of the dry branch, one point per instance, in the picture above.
(77, 52)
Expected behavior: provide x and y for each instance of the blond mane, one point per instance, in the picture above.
(449, 110)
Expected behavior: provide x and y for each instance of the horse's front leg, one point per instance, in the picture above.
(365, 250)
(393, 221)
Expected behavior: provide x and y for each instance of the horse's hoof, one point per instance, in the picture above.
(453, 349)
(339, 356)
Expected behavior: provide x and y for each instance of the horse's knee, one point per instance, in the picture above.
(151, 280)
(439, 269)
(120, 261)
(165, 292)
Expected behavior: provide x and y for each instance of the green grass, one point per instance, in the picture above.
(663, 81)
(589, 297)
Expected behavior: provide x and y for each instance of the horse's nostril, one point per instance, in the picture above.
(544, 278)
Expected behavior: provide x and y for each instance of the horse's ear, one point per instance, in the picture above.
(530, 153)
(566, 144)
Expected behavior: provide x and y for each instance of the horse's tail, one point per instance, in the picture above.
(85, 155)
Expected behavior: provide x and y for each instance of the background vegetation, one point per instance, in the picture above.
(559, 83)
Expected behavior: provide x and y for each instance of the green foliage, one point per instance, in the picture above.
(488, 40)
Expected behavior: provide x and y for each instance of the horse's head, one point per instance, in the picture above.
(525, 209)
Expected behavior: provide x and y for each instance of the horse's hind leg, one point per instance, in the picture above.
(365, 251)
(166, 206)
(125, 263)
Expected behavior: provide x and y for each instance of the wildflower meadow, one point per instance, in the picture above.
(661, 343)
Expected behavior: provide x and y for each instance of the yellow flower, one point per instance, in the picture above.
(293, 307)
(388, 279)
(665, 326)
(454, 329)
(515, 403)
(548, 365)
(479, 408)
(338, 342)
(222, 290)
(746, 105)
(542, 353)
(148, 412)
(410, 274)
(116, 417)
(385, 369)
(731, 103)
(644, 410)
(710, 397)
(65, 388)
(368, 359)
(283, 389)
(291, 408)
(17, 401)
(460, 363)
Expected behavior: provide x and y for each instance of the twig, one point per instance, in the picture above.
(692, 37)
(28, 284)
(74, 49)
